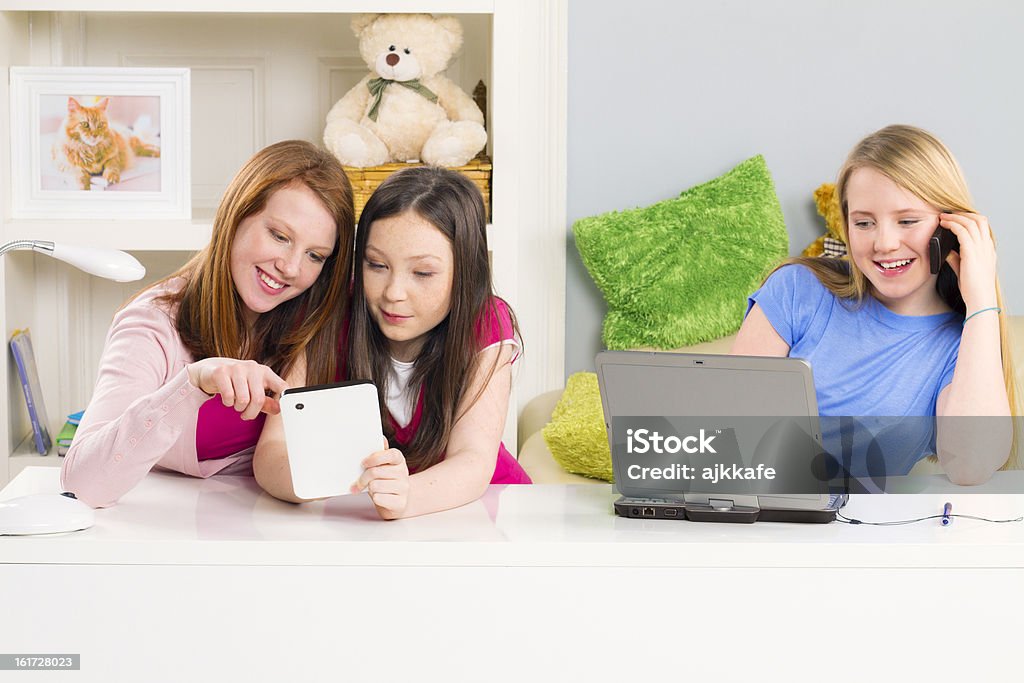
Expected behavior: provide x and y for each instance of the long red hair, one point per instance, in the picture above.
(210, 317)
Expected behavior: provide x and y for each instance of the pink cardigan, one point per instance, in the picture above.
(143, 410)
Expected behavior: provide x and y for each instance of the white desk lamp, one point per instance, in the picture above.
(49, 513)
(109, 263)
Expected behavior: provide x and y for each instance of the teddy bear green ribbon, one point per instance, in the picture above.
(377, 86)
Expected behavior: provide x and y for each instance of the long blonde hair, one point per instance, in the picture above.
(920, 163)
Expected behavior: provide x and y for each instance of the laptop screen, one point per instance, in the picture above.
(696, 423)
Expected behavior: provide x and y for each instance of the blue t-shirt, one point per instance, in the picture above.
(868, 362)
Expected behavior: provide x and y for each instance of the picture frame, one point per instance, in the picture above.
(100, 143)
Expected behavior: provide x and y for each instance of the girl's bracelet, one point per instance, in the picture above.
(990, 308)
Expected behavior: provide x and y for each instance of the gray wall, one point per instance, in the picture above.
(665, 95)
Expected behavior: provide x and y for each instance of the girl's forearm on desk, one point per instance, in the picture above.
(973, 440)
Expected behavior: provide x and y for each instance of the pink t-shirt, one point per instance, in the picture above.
(507, 469)
(221, 431)
(493, 329)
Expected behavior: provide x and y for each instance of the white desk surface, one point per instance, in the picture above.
(171, 519)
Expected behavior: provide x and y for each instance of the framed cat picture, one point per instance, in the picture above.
(100, 143)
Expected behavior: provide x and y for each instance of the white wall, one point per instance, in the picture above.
(664, 95)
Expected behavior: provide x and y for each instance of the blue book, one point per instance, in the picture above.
(21, 347)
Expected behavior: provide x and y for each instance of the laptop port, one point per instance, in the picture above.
(648, 512)
(635, 512)
(671, 512)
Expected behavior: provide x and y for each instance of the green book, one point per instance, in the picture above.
(67, 433)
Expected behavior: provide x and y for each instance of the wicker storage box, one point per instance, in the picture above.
(365, 180)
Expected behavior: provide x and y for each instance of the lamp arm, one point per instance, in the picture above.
(35, 245)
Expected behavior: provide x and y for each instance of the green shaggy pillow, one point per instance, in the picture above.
(576, 436)
(678, 272)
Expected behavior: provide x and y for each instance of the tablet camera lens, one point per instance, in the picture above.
(299, 406)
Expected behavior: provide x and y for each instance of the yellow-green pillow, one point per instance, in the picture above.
(678, 272)
(576, 436)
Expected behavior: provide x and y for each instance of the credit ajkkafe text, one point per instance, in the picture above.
(645, 441)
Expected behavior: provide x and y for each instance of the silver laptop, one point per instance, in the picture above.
(741, 415)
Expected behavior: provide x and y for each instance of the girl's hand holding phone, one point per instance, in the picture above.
(241, 383)
(975, 264)
(386, 478)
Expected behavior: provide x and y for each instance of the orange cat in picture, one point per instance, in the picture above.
(89, 145)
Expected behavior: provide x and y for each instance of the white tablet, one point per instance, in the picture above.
(330, 429)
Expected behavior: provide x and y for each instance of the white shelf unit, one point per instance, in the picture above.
(264, 71)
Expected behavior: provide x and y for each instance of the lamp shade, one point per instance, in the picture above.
(107, 263)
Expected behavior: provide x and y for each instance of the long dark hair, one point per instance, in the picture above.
(210, 318)
(448, 358)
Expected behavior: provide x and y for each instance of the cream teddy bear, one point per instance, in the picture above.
(405, 109)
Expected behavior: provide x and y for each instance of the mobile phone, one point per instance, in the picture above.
(938, 247)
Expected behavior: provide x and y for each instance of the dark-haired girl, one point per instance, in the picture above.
(427, 329)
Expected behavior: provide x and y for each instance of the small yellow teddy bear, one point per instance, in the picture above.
(831, 243)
